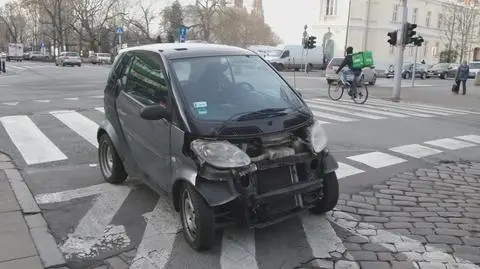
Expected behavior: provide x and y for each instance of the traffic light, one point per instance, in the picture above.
(393, 38)
(311, 42)
(409, 33)
(417, 41)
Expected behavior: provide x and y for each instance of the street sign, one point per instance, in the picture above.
(182, 33)
(119, 30)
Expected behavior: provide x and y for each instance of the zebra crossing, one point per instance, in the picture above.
(29, 137)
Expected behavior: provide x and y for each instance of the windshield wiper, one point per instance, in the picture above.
(260, 114)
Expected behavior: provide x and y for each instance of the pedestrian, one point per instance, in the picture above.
(462, 77)
(423, 61)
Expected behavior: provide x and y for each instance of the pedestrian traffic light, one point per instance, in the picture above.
(311, 42)
(393, 38)
(409, 32)
(417, 41)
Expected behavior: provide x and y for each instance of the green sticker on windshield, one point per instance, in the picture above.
(200, 107)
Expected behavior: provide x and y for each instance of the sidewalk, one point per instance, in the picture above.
(442, 96)
(25, 241)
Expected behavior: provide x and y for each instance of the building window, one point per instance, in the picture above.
(435, 49)
(395, 13)
(427, 21)
(425, 48)
(440, 21)
(331, 8)
(414, 15)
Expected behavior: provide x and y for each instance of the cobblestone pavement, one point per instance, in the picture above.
(426, 219)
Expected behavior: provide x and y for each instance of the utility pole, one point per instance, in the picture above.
(397, 83)
(414, 66)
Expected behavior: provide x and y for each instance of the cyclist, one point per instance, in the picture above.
(356, 72)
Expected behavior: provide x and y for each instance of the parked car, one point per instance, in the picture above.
(420, 71)
(444, 70)
(68, 58)
(474, 69)
(368, 73)
(102, 58)
(218, 129)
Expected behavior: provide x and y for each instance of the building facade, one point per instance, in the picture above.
(369, 21)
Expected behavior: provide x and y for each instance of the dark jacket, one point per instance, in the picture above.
(462, 72)
(347, 61)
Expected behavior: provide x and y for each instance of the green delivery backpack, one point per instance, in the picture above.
(362, 59)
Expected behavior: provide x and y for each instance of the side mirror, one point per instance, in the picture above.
(154, 112)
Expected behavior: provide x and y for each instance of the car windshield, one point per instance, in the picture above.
(474, 66)
(220, 87)
(441, 65)
(71, 54)
(336, 62)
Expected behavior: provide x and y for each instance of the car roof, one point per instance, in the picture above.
(189, 50)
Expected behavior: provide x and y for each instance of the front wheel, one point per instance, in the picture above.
(111, 165)
(198, 219)
(330, 194)
(335, 91)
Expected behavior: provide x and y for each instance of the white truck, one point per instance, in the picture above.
(295, 57)
(15, 52)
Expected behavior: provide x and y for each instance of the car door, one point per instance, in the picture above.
(148, 140)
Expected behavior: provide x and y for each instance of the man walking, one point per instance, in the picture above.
(462, 76)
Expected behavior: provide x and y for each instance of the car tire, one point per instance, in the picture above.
(330, 195)
(442, 76)
(197, 219)
(111, 165)
(424, 76)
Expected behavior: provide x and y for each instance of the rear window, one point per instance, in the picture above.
(474, 65)
(336, 62)
(72, 54)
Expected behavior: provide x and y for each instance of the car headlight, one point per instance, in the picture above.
(220, 154)
(318, 137)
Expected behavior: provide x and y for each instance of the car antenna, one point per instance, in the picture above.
(294, 79)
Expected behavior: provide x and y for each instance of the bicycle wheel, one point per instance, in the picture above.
(362, 95)
(335, 92)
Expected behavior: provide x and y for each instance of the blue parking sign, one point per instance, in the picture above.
(183, 33)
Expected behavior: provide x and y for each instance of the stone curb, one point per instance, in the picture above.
(44, 241)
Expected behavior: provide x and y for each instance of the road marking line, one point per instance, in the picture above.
(352, 107)
(321, 237)
(416, 150)
(97, 96)
(398, 110)
(238, 249)
(30, 141)
(449, 143)
(349, 112)
(11, 103)
(42, 101)
(71, 98)
(407, 107)
(93, 229)
(470, 138)
(459, 111)
(344, 170)
(158, 239)
(377, 159)
(101, 109)
(332, 116)
(82, 125)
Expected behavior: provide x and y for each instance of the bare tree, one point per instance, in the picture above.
(203, 13)
(144, 17)
(172, 19)
(13, 16)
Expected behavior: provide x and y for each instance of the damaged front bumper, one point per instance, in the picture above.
(267, 191)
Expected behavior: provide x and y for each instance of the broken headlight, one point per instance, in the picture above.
(220, 154)
(317, 137)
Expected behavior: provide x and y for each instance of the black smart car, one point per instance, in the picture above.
(218, 129)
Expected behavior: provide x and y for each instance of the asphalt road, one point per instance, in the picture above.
(97, 223)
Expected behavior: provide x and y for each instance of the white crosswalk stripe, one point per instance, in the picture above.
(82, 125)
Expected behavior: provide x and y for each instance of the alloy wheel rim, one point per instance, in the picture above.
(189, 216)
(106, 159)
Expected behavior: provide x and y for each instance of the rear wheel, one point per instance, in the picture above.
(330, 195)
(335, 90)
(111, 165)
(362, 95)
(197, 219)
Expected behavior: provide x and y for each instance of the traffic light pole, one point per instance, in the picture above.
(414, 66)
(399, 61)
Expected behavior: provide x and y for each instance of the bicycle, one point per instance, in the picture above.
(344, 81)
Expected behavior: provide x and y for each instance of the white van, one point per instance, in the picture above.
(295, 57)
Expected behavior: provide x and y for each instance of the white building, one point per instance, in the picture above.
(371, 20)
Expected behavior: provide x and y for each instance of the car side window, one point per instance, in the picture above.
(146, 81)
